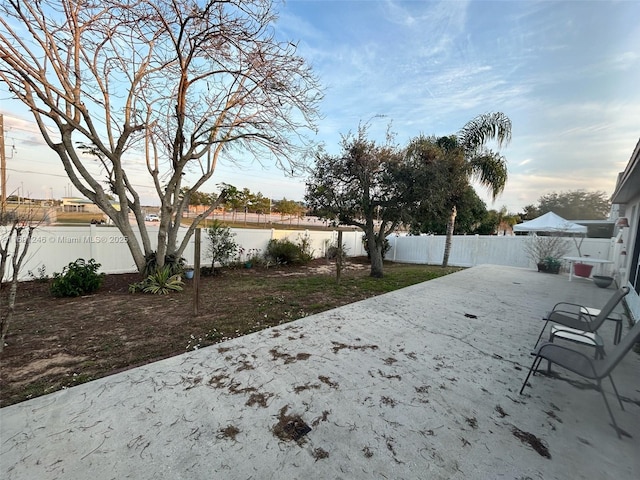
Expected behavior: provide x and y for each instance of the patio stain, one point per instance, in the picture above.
(501, 412)
(389, 376)
(337, 346)
(228, 432)
(553, 415)
(390, 446)
(275, 354)
(259, 399)
(533, 441)
(388, 401)
(320, 453)
(306, 386)
(327, 381)
(290, 427)
(322, 418)
(472, 422)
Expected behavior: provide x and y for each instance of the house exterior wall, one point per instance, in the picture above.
(630, 250)
(626, 201)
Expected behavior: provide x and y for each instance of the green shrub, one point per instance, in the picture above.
(333, 251)
(552, 263)
(175, 264)
(306, 252)
(41, 277)
(221, 244)
(161, 282)
(77, 278)
(283, 252)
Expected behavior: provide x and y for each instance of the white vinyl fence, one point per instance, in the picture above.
(470, 250)
(54, 247)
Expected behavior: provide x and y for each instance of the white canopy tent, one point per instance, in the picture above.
(550, 222)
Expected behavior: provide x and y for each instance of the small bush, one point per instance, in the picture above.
(285, 252)
(539, 248)
(41, 277)
(77, 278)
(175, 264)
(306, 252)
(333, 251)
(221, 244)
(161, 282)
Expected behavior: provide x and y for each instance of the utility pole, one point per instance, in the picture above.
(3, 170)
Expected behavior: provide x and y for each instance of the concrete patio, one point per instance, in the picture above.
(420, 383)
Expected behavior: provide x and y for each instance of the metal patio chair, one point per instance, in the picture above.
(578, 317)
(585, 366)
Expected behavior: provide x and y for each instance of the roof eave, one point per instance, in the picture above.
(627, 186)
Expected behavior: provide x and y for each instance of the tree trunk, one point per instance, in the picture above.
(376, 262)
(6, 317)
(375, 252)
(447, 244)
(21, 246)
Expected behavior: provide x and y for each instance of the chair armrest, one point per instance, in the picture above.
(567, 303)
(573, 308)
(557, 316)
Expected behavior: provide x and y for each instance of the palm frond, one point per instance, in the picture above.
(488, 126)
(490, 170)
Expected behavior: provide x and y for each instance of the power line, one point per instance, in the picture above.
(64, 176)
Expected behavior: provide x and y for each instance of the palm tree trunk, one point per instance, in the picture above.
(447, 243)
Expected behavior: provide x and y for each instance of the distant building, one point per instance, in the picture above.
(598, 228)
(82, 205)
(79, 205)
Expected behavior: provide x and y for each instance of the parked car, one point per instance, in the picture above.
(152, 217)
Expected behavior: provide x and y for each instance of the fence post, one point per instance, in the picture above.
(339, 257)
(196, 272)
(93, 237)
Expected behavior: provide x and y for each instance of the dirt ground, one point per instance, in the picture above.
(56, 343)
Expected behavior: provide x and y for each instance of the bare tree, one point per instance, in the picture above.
(171, 85)
(15, 239)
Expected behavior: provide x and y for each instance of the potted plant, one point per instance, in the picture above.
(549, 265)
(546, 252)
(581, 269)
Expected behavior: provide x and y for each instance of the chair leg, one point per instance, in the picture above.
(616, 392)
(615, 425)
(541, 332)
(534, 365)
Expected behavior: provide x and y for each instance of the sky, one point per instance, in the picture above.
(565, 72)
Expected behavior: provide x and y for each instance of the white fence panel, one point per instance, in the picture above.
(470, 250)
(352, 242)
(416, 249)
(502, 250)
(54, 247)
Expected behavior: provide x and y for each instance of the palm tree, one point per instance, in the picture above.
(489, 168)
